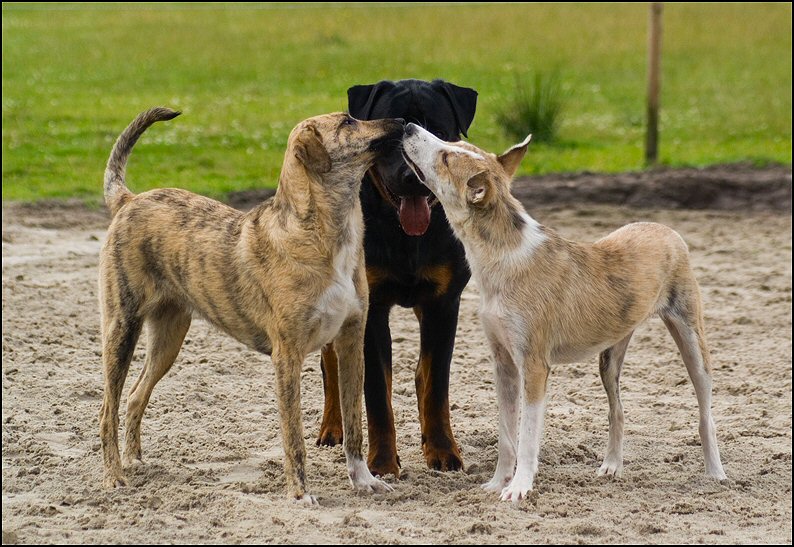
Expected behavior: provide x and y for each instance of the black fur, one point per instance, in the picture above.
(404, 261)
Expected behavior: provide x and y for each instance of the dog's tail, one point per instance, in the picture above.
(116, 192)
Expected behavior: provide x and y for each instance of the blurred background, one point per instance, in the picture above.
(74, 75)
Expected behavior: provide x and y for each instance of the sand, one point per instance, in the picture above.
(212, 469)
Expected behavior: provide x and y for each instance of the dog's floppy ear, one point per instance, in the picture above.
(477, 188)
(511, 159)
(310, 150)
(361, 98)
(463, 101)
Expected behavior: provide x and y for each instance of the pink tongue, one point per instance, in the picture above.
(414, 215)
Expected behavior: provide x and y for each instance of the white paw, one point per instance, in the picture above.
(717, 474)
(496, 484)
(517, 490)
(363, 481)
(611, 468)
(372, 486)
(307, 500)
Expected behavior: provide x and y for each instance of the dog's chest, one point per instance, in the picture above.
(339, 300)
(502, 325)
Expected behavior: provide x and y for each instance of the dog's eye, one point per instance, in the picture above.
(349, 121)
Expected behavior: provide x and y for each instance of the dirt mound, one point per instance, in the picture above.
(738, 187)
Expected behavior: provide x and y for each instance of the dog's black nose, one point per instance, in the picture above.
(410, 129)
(400, 121)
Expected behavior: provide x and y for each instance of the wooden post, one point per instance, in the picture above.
(654, 76)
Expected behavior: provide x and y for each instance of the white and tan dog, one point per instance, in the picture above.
(548, 300)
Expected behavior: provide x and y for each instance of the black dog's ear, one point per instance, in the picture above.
(361, 98)
(463, 101)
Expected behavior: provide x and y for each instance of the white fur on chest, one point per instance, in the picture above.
(503, 326)
(339, 300)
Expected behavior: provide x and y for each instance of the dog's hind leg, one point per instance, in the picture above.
(350, 346)
(331, 426)
(508, 391)
(610, 363)
(166, 328)
(288, 363)
(684, 319)
(120, 332)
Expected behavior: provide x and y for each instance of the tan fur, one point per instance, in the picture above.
(285, 278)
(546, 300)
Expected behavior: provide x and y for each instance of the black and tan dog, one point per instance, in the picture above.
(286, 279)
(413, 260)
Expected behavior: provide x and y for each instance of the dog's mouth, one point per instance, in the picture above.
(415, 168)
(414, 211)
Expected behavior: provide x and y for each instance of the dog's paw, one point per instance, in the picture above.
(372, 486)
(362, 480)
(718, 475)
(496, 484)
(610, 468)
(329, 436)
(382, 466)
(306, 500)
(114, 481)
(517, 490)
(132, 461)
(446, 459)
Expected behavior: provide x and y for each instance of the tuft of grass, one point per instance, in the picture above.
(536, 108)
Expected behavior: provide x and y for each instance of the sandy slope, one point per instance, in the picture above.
(212, 469)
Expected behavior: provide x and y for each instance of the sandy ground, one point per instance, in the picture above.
(213, 470)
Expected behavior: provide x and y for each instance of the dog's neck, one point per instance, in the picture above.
(500, 236)
(308, 198)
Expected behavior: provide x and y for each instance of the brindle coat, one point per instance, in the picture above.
(285, 278)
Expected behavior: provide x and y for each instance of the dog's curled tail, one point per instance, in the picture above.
(116, 192)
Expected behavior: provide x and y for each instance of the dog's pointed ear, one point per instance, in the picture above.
(477, 188)
(511, 159)
(463, 101)
(361, 98)
(310, 150)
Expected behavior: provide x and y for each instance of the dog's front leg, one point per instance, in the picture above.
(438, 321)
(533, 406)
(288, 362)
(350, 350)
(331, 426)
(508, 392)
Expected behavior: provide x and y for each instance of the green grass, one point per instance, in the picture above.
(74, 76)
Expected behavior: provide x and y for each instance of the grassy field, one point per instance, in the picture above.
(74, 76)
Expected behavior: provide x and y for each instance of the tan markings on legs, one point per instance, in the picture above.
(331, 427)
(535, 375)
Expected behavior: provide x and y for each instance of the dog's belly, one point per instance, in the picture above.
(574, 354)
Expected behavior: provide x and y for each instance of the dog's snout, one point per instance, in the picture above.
(400, 121)
(410, 129)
